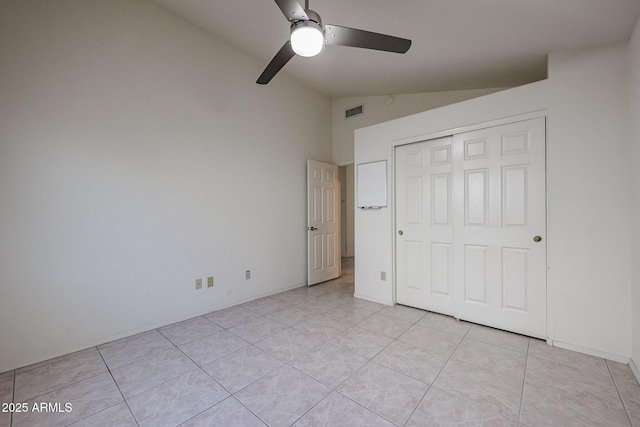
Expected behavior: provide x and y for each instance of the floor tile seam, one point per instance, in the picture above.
(119, 391)
(127, 399)
(168, 345)
(393, 338)
(437, 330)
(282, 358)
(500, 346)
(183, 392)
(238, 324)
(261, 338)
(573, 368)
(112, 343)
(195, 339)
(13, 397)
(231, 396)
(201, 367)
(504, 377)
(197, 366)
(349, 376)
(131, 412)
(448, 359)
(403, 320)
(256, 380)
(429, 384)
(314, 335)
(368, 409)
(371, 330)
(526, 362)
(419, 402)
(54, 360)
(435, 386)
(477, 404)
(175, 324)
(602, 404)
(615, 384)
(105, 409)
(586, 371)
(63, 386)
(513, 418)
(331, 390)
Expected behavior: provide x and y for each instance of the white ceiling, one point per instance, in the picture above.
(457, 44)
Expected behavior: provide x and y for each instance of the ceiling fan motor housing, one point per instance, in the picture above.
(307, 36)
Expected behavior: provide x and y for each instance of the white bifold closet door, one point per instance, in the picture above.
(471, 223)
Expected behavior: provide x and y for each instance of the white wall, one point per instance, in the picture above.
(589, 192)
(136, 155)
(634, 114)
(378, 109)
(588, 198)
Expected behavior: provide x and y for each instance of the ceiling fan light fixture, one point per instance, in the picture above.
(307, 38)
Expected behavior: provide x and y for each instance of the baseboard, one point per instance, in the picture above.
(634, 369)
(63, 351)
(368, 298)
(589, 351)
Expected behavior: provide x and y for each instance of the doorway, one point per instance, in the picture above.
(347, 210)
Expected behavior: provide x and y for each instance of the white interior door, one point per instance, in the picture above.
(323, 222)
(500, 225)
(471, 223)
(424, 254)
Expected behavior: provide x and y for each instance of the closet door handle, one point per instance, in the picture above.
(400, 232)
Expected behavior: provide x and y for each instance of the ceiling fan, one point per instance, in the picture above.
(309, 36)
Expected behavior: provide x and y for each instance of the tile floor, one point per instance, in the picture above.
(320, 357)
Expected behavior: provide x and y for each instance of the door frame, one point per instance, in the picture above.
(464, 129)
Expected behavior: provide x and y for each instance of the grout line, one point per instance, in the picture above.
(524, 379)
(439, 372)
(118, 387)
(615, 384)
(13, 397)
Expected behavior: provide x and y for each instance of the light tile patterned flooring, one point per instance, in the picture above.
(320, 357)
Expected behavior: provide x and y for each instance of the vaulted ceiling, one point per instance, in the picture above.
(457, 44)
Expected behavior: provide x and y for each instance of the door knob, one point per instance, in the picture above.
(312, 228)
(400, 232)
(537, 239)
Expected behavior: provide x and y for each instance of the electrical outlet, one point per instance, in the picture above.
(247, 275)
(210, 282)
(383, 276)
(198, 284)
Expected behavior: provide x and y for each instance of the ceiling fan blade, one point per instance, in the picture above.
(292, 10)
(344, 36)
(282, 57)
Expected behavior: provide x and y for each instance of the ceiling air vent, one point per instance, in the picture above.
(353, 112)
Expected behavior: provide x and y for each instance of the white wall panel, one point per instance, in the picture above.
(137, 155)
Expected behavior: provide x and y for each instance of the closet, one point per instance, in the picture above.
(470, 217)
